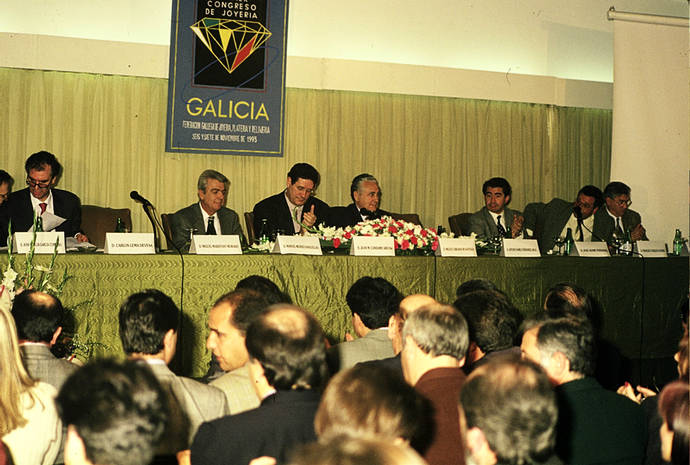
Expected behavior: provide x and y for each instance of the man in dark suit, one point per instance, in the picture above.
(366, 196)
(209, 215)
(595, 426)
(558, 215)
(617, 218)
(284, 211)
(38, 318)
(495, 218)
(148, 330)
(287, 363)
(43, 170)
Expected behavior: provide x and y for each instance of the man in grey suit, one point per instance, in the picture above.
(495, 218)
(617, 218)
(551, 221)
(228, 321)
(209, 215)
(372, 302)
(38, 317)
(148, 321)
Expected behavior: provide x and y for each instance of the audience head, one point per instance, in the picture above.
(38, 316)
(369, 401)
(228, 321)
(356, 451)
(212, 189)
(492, 320)
(675, 430)
(496, 194)
(114, 412)
(287, 348)
(372, 302)
(473, 285)
(266, 288)
(588, 200)
(302, 182)
(510, 413)
(6, 183)
(42, 171)
(365, 192)
(433, 336)
(565, 348)
(148, 324)
(395, 323)
(617, 198)
(681, 357)
(14, 380)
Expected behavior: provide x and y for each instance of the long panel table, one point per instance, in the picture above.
(639, 297)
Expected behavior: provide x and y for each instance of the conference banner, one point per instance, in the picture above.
(226, 87)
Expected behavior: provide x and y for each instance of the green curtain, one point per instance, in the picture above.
(430, 154)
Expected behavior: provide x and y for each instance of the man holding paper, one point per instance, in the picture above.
(60, 210)
(209, 215)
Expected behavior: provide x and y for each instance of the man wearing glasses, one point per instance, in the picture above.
(617, 218)
(283, 212)
(39, 197)
(558, 215)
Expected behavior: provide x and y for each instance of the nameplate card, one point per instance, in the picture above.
(215, 245)
(297, 245)
(372, 246)
(45, 242)
(456, 247)
(590, 249)
(129, 243)
(520, 248)
(651, 249)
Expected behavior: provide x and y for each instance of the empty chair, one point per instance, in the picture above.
(96, 221)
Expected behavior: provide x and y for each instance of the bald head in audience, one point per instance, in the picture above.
(408, 305)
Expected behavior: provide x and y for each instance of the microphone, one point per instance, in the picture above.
(134, 195)
(578, 212)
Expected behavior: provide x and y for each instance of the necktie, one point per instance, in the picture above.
(580, 236)
(43, 206)
(210, 229)
(619, 230)
(499, 226)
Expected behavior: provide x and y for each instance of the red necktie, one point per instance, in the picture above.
(43, 206)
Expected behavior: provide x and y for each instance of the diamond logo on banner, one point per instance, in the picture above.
(231, 41)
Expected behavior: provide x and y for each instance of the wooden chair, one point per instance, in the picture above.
(166, 222)
(249, 221)
(96, 221)
(409, 217)
(460, 224)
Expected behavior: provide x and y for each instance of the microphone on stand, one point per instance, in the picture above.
(134, 195)
(149, 210)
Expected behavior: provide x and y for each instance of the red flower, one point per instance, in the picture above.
(405, 244)
(414, 240)
(395, 245)
(434, 246)
(392, 229)
(410, 232)
(423, 233)
(347, 235)
(336, 242)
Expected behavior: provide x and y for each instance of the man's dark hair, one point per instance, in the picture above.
(38, 160)
(374, 300)
(357, 182)
(498, 182)
(5, 178)
(37, 315)
(574, 338)
(247, 304)
(616, 188)
(289, 344)
(144, 319)
(593, 191)
(117, 409)
(266, 288)
(304, 171)
(492, 319)
(513, 403)
(472, 285)
(438, 330)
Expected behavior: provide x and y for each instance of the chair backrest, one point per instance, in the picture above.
(409, 217)
(96, 221)
(249, 221)
(460, 224)
(167, 227)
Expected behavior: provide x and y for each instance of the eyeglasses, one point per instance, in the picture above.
(623, 203)
(34, 183)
